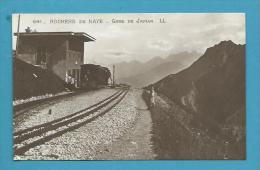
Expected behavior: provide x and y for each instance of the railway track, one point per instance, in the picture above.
(33, 136)
(20, 109)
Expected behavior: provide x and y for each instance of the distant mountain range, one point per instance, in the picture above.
(140, 74)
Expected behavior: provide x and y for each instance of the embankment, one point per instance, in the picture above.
(29, 80)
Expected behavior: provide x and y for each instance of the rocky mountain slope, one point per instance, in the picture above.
(199, 113)
(213, 86)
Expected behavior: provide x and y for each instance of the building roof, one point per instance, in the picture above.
(83, 35)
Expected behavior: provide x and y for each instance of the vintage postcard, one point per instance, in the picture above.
(129, 86)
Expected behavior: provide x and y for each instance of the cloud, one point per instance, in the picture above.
(124, 42)
(117, 54)
(162, 45)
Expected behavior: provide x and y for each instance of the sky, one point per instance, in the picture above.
(117, 42)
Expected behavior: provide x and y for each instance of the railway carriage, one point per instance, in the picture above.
(93, 76)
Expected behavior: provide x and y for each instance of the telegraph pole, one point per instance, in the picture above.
(18, 34)
(114, 68)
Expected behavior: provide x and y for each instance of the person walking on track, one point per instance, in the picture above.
(152, 100)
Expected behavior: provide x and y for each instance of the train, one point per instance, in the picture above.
(90, 76)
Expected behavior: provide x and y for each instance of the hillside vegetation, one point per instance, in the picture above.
(203, 104)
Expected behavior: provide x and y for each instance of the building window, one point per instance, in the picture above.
(41, 56)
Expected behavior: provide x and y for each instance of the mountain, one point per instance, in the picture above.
(213, 87)
(186, 58)
(153, 75)
(140, 74)
(128, 69)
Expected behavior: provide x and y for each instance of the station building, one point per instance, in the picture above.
(60, 52)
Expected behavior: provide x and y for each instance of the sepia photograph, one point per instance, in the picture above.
(129, 86)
